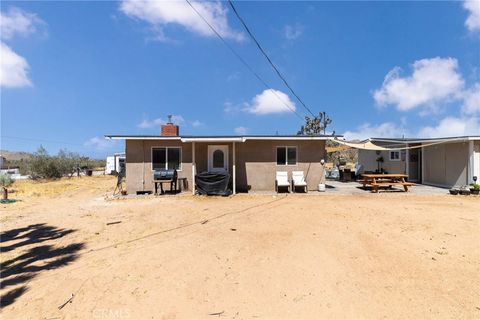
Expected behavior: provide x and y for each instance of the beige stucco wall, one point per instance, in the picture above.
(368, 159)
(446, 164)
(139, 163)
(255, 162)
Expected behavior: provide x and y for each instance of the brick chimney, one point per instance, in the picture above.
(169, 129)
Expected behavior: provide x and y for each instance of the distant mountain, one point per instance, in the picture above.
(15, 155)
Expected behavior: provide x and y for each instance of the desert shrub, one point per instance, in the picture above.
(95, 163)
(43, 166)
(5, 181)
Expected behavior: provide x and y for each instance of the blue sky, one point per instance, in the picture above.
(74, 71)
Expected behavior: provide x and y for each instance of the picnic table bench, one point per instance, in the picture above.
(377, 180)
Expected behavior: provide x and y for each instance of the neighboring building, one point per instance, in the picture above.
(252, 161)
(14, 173)
(115, 163)
(443, 162)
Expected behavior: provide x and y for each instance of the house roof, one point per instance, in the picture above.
(226, 138)
(425, 140)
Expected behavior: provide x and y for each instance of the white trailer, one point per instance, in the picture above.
(115, 163)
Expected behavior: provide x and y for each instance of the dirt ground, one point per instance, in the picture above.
(366, 256)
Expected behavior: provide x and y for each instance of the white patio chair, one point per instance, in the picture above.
(298, 180)
(282, 180)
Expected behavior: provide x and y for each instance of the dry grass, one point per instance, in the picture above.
(53, 188)
(330, 256)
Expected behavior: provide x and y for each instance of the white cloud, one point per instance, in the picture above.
(234, 76)
(229, 107)
(162, 13)
(293, 32)
(197, 123)
(18, 22)
(147, 123)
(383, 130)
(241, 130)
(447, 127)
(13, 69)
(433, 82)
(452, 126)
(473, 19)
(471, 100)
(271, 101)
(100, 143)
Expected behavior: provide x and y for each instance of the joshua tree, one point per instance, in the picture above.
(5, 181)
(316, 125)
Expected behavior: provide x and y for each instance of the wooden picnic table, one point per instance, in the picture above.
(376, 180)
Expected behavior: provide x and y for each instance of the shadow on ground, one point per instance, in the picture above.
(31, 257)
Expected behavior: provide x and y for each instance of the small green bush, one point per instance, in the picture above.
(6, 180)
(475, 186)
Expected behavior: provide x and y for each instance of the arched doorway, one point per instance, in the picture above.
(218, 159)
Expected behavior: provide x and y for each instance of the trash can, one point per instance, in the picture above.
(88, 172)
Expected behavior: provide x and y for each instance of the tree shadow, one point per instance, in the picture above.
(26, 265)
(32, 234)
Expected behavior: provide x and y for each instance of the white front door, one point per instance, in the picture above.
(218, 159)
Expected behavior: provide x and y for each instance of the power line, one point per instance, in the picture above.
(267, 57)
(243, 61)
(42, 140)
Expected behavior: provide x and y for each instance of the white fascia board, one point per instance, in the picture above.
(219, 139)
(289, 138)
(140, 138)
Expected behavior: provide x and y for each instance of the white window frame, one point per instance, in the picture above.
(393, 159)
(166, 156)
(286, 156)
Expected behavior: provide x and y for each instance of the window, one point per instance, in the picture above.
(286, 156)
(218, 157)
(167, 158)
(395, 155)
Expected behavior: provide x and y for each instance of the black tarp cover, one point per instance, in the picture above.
(212, 183)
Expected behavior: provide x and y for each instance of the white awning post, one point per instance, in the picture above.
(407, 162)
(234, 172)
(193, 168)
(422, 155)
(471, 162)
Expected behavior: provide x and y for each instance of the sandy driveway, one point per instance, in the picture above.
(287, 257)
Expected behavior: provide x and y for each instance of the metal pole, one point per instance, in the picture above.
(234, 172)
(470, 163)
(407, 162)
(193, 168)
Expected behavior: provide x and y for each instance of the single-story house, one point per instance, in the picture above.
(251, 160)
(442, 162)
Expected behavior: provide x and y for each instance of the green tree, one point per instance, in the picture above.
(316, 125)
(43, 166)
(6, 181)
